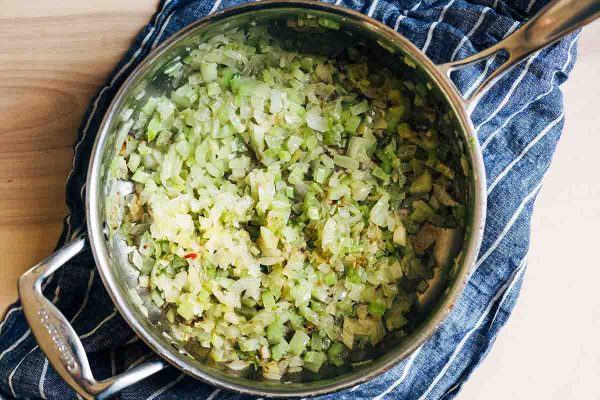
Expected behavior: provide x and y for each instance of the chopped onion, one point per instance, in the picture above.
(279, 200)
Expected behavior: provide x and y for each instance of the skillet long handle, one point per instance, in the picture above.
(57, 338)
(554, 21)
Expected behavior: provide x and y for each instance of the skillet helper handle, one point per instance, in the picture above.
(57, 338)
(554, 21)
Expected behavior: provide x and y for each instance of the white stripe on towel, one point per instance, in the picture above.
(166, 387)
(213, 394)
(90, 333)
(402, 377)
(86, 297)
(8, 315)
(563, 69)
(162, 30)
(471, 32)
(215, 7)
(488, 64)
(436, 23)
(510, 288)
(470, 332)
(510, 91)
(509, 225)
(12, 373)
(42, 378)
(403, 15)
(525, 150)
(139, 360)
(372, 8)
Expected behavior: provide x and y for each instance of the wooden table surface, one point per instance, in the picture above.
(53, 57)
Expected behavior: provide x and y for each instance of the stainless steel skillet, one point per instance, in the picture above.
(60, 342)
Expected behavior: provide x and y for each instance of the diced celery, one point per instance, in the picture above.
(352, 123)
(380, 173)
(283, 196)
(316, 342)
(376, 309)
(359, 108)
(248, 345)
(209, 71)
(331, 278)
(336, 354)
(313, 360)
(150, 106)
(405, 131)
(275, 332)
(153, 128)
(293, 143)
(422, 184)
(268, 301)
(279, 350)
(345, 162)
(393, 116)
(299, 342)
(329, 23)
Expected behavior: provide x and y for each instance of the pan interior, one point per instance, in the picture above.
(120, 275)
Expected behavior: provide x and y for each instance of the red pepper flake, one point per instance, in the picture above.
(193, 256)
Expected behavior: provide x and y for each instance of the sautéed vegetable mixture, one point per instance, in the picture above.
(287, 204)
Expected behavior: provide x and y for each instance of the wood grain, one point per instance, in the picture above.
(53, 58)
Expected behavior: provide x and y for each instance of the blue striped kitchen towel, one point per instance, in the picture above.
(518, 124)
